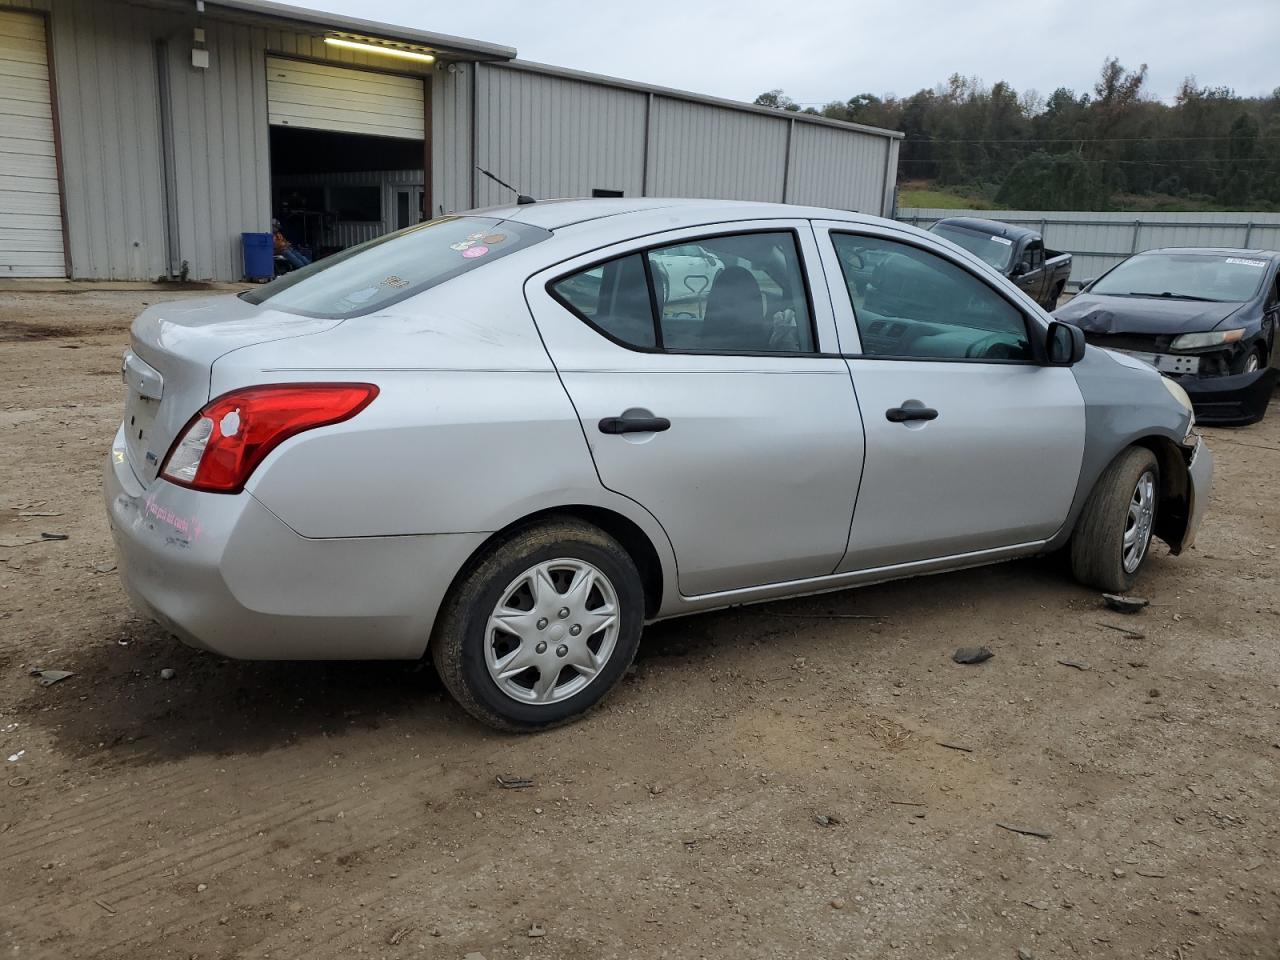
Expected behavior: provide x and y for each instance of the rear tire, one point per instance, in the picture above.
(1112, 536)
(541, 628)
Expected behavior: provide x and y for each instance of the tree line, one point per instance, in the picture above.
(1086, 151)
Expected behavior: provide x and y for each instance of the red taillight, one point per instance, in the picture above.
(225, 442)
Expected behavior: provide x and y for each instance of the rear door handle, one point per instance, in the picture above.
(903, 414)
(634, 424)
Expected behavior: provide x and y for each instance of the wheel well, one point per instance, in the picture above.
(631, 537)
(1175, 490)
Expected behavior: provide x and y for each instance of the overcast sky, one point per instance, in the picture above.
(822, 50)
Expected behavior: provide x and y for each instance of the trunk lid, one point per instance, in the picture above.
(169, 363)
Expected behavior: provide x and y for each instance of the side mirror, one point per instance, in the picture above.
(1064, 344)
(1019, 268)
(1086, 282)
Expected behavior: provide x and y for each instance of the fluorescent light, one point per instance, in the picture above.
(378, 48)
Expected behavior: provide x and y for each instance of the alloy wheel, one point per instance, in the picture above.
(1139, 521)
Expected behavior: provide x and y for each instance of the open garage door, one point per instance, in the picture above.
(30, 209)
(348, 156)
(317, 96)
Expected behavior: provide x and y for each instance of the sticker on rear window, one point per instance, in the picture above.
(1007, 243)
(1247, 263)
(474, 252)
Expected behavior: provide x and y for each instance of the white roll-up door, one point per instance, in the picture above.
(318, 96)
(30, 212)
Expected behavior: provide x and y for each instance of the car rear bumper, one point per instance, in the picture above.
(1233, 400)
(225, 574)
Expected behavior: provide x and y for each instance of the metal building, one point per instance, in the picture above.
(140, 138)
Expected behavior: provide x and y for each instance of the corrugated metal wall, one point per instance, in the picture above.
(451, 138)
(109, 122)
(121, 68)
(109, 101)
(556, 134)
(1098, 241)
(552, 137)
(704, 151)
(224, 177)
(830, 168)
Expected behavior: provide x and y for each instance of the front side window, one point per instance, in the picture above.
(373, 275)
(742, 293)
(910, 303)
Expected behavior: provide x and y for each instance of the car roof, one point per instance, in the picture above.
(994, 227)
(559, 213)
(1215, 252)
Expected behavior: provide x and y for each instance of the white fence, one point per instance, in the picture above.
(1098, 241)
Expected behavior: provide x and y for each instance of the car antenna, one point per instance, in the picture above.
(521, 198)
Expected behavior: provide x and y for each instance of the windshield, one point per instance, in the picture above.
(995, 251)
(1185, 276)
(374, 275)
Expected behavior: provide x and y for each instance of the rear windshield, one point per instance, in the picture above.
(995, 251)
(373, 275)
(1185, 276)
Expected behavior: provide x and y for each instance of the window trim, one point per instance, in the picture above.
(659, 347)
(1029, 323)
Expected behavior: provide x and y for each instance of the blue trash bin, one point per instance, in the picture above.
(259, 261)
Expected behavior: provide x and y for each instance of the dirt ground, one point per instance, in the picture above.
(772, 781)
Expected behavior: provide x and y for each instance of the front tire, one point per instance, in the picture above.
(539, 630)
(1113, 533)
(1252, 362)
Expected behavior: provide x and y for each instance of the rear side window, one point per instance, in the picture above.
(373, 275)
(615, 298)
(910, 303)
(741, 293)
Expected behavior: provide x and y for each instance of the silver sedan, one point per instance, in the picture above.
(511, 438)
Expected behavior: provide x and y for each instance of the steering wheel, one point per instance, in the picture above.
(994, 346)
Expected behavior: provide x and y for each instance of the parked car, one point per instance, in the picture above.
(1014, 252)
(487, 438)
(1205, 317)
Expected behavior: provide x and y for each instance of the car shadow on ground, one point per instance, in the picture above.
(123, 706)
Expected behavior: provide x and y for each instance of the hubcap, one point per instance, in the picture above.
(1137, 525)
(552, 632)
(1251, 364)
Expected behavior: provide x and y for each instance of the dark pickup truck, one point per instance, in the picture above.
(1014, 252)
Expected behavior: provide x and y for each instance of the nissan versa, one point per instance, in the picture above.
(511, 438)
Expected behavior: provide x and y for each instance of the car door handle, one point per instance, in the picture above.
(903, 414)
(634, 424)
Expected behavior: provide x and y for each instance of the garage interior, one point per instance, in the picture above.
(348, 153)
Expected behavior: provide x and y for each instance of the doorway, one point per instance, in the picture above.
(348, 156)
